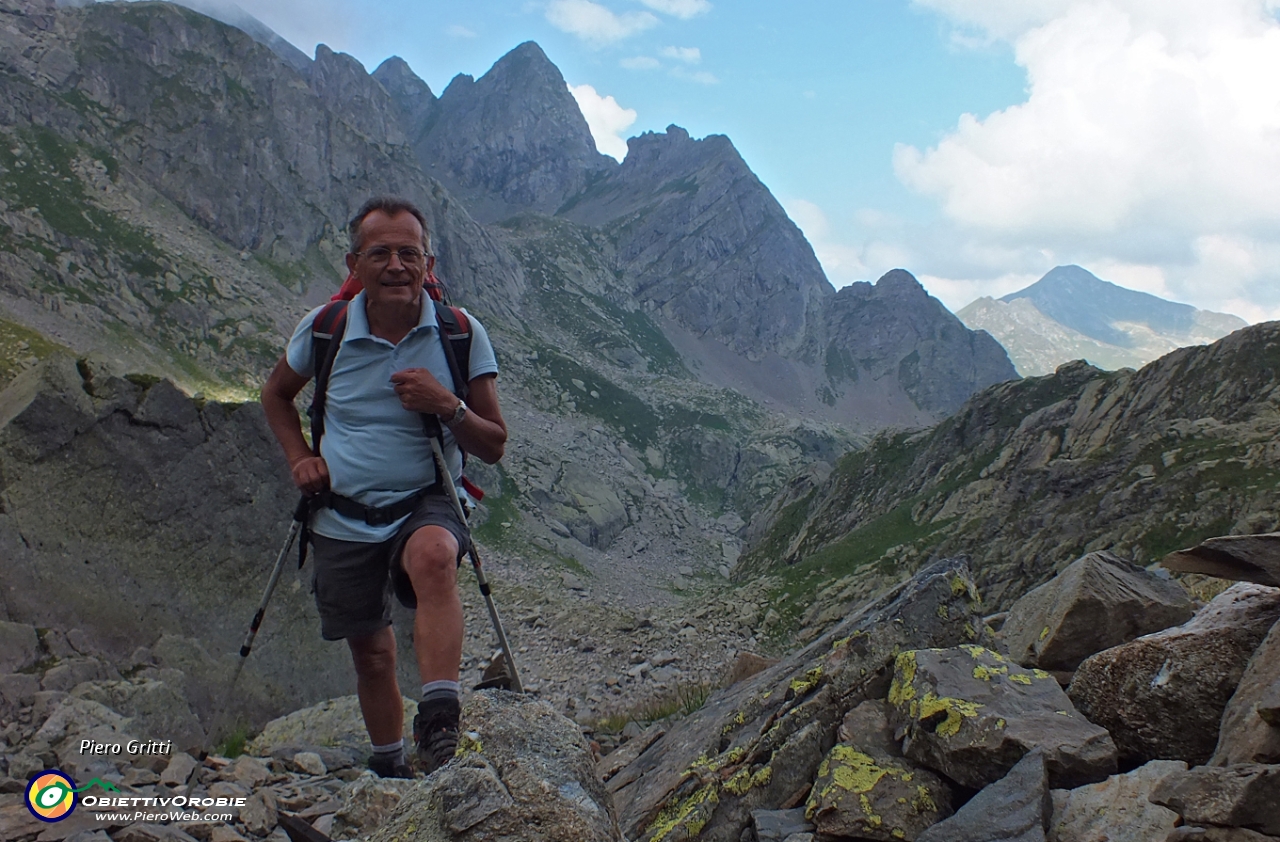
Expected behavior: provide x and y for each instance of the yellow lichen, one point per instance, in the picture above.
(872, 819)
(943, 612)
(853, 770)
(739, 783)
(956, 711)
(802, 685)
(468, 741)
(901, 690)
(984, 673)
(1021, 678)
(1041, 674)
(762, 776)
(959, 587)
(1044, 633)
(689, 816)
(1000, 723)
(970, 632)
(924, 801)
(898, 833)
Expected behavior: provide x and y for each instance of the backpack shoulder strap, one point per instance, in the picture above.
(326, 337)
(455, 333)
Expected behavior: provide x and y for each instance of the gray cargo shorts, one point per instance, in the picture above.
(353, 581)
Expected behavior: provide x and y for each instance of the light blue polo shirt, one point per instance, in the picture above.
(376, 450)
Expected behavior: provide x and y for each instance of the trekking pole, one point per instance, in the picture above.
(431, 424)
(299, 518)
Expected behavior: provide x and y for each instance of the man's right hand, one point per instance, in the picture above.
(311, 475)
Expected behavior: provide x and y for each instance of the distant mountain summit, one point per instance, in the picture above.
(1072, 314)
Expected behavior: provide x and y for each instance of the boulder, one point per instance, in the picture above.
(523, 771)
(153, 706)
(756, 745)
(1097, 602)
(367, 803)
(1245, 795)
(1162, 696)
(1250, 727)
(866, 789)
(1117, 809)
(972, 714)
(1244, 558)
(335, 722)
(1015, 808)
(19, 646)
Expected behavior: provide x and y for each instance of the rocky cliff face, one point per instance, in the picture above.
(1031, 474)
(514, 139)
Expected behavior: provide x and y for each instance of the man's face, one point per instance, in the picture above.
(391, 283)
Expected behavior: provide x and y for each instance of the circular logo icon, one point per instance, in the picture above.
(51, 796)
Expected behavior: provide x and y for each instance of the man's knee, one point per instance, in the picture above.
(374, 654)
(430, 556)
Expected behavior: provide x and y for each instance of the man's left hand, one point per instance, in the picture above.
(420, 391)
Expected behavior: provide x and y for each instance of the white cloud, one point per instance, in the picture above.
(689, 55)
(842, 263)
(1148, 144)
(640, 63)
(683, 9)
(457, 30)
(606, 119)
(596, 24)
(702, 77)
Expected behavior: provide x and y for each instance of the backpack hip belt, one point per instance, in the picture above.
(374, 515)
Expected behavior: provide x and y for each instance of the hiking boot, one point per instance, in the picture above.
(388, 767)
(435, 730)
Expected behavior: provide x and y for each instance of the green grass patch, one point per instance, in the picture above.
(232, 745)
(20, 348)
(680, 701)
(500, 507)
(40, 175)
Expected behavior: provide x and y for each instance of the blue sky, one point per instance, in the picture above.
(976, 143)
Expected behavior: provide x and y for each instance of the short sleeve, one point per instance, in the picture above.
(483, 360)
(299, 354)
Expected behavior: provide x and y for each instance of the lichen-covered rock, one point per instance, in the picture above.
(768, 734)
(1244, 795)
(972, 714)
(866, 789)
(1117, 809)
(757, 744)
(523, 772)
(1097, 602)
(1250, 727)
(1162, 696)
(1015, 808)
(862, 796)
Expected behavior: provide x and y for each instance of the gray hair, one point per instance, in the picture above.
(391, 206)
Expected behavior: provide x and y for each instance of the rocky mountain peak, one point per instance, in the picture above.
(343, 85)
(411, 96)
(899, 283)
(512, 140)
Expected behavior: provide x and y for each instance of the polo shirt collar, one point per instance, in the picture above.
(358, 318)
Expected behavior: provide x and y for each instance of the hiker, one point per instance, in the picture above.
(380, 521)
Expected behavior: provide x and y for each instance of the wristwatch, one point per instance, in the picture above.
(457, 416)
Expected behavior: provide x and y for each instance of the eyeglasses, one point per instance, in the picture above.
(381, 256)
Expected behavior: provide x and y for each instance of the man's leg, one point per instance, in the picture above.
(430, 560)
(375, 661)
